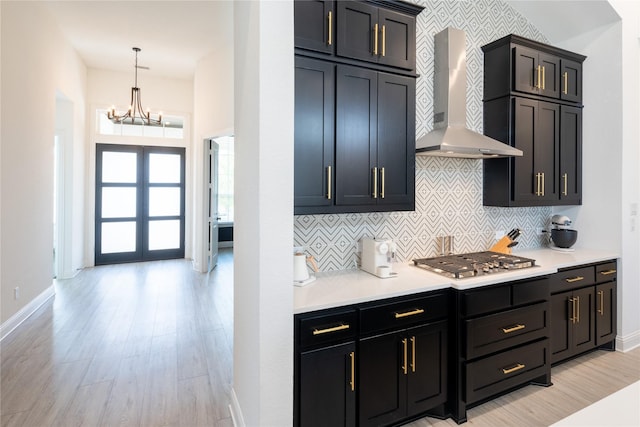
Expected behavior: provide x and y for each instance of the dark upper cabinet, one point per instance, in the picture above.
(370, 166)
(570, 155)
(571, 80)
(533, 127)
(314, 132)
(515, 65)
(531, 101)
(314, 24)
(375, 139)
(369, 33)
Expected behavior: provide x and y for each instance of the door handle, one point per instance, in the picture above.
(384, 38)
(601, 309)
(375, 183)
(330, 37)
(404, 365)
(566, 83)
(382, 178)
(566, 179)
(329, 182)
(375, 39)
(352, 383)
(413, 354)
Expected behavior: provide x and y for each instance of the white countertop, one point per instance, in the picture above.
(338, 288)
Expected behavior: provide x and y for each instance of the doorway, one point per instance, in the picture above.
(140, 203)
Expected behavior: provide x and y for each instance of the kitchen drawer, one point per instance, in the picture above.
(486, 300)
(503, 371)
(572, 279)
(606, 272)
(530, 291)
(496, 332)
(327, 328)
(404, 313)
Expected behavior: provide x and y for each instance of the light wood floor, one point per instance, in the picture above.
(150, 344)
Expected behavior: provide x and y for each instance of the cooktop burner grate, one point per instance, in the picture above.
(473, 264)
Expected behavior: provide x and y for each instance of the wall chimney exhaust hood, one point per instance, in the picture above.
(450, 137)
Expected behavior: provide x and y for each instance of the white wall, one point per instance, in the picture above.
(159, 94)
(36, 62)
(213, 116)
(263, 235)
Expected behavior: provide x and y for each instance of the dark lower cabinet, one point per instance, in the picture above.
(327, 386)
(402, 374)
(583, 310)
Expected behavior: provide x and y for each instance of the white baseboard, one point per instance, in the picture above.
(236, 412)
(628, 342)
(23, 314)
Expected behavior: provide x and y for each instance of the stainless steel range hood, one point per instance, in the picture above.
(450, 137)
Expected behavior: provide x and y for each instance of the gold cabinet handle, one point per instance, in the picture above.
(543, 78)
(542, 190)
(538, 184)
(574, 279)
(507, 371)
(538, 86)
(578, 310)
(608, 272)
(404, 366)
(409, 313)
(566, 179)
(375, 39)
(382, 183)
(413, 354)
(329, 182)
(601, 309)
(566, 83)
(330, 19)
(384, 37)
(352, 383)
(375, 183)
(328, 330)
(572, 301)
(513, 329)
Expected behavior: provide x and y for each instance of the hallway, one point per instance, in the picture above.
(130, 345)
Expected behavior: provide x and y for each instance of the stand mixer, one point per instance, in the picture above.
(561, 236)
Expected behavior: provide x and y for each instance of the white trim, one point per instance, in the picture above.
(236, 412)
(23, 314)
(628, 342)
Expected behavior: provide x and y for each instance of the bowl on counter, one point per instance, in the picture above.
(564, 238)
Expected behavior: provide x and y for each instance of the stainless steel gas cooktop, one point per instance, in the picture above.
(473, 264)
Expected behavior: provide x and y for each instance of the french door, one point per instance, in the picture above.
(140, 203)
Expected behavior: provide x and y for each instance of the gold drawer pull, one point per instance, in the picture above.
(512, 329)
(409, 313)
(609, 272)
(515, 368)
(328, 330)
(574, 279)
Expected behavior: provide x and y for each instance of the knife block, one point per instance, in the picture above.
(502, 246)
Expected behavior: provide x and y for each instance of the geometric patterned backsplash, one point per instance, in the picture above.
(448, 191)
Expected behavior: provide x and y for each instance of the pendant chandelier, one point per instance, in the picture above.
(135, 115)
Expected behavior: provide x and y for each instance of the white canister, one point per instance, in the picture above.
(300, 270)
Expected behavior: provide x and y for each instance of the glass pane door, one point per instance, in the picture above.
(139, 203)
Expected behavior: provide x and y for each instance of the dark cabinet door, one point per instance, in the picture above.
(570, 155)
(547, 151)
(314, 25)
(356, 128)
(525, 70)
(583, 330)
(382, 380)
(605, 313)
(526, 181)
(357, 35)
(396, 139)
(427, 376)
(377, 35)
(397, 39)
(570, 80)
(549, 75)
(327, 386)
(313, 132)
(560, 310)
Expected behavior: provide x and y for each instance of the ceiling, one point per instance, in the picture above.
(173, 35)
